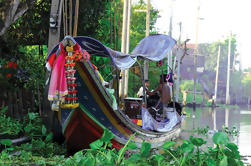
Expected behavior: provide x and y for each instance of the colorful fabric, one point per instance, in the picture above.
(57, 63)
(58, 86)
(149, 123)
(169, 78)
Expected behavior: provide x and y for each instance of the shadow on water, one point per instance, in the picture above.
(215, 119)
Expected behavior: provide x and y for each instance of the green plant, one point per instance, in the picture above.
(231, 132)
(202, 131)
(101, 152)
(8, 125)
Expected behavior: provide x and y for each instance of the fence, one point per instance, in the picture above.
(19, 102)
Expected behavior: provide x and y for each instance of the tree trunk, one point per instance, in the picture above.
(15, 9)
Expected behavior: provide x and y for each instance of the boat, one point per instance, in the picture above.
(91, 109)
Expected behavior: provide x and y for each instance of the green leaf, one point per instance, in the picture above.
(187, 147)
(97, 58)
(132, 145)
(44, 130)
(32, 115)
(49, 137)
(78, 156)
(10, 149)
(6, 142)
(107, 136)
(4, 109)
(135, 157)
(110, 145)
(28, 128)
(223, 162)
(96, 144)
(168, 144)
(231, 151)
(90, 161)
(158, 157)
(145, 149)
(220, 138)
(211, 162)
(197, 141)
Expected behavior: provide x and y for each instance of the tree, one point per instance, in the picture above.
(10, 11)
(246, 82)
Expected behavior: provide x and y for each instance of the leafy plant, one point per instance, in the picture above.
(8, 125)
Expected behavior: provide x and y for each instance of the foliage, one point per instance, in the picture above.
(31, 125)
(32, 27)
(210, 51)
(187, 85)
(8, 125)
(190, 152)
(32, 66)
(41, 150)
(246, 82)
(232, 132)
(138, 23)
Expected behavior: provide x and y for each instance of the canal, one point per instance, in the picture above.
(215, 119)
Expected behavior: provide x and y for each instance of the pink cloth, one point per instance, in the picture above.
(58, 85)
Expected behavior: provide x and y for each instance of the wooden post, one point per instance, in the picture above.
(178, 63)
(54, 32)
(125, 45)
(75, 30)
(226, 117)
(228, 70)
(216, 77)
(146, 62)
(70, 21)
(195, 56)
(54, 37)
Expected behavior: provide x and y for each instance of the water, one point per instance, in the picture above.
(218, 117)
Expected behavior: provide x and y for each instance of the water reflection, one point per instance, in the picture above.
(218, 117)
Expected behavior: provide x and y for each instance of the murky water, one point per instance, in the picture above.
(216, 118)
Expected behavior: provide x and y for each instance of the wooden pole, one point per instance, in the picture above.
(66, 18)
(178, 70)
(169, 56)
(216, 77)
(146, 62)
(54, 36)
(75, 30)
(54, 33)
(124, 46)
(228, 69)
(127, 46)
(111, 26)
(70, 21)
(195, 55)
(114, 25)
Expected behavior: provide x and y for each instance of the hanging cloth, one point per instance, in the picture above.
(58, 86)
(169, 78)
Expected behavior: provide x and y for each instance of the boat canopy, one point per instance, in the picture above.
(153, 47)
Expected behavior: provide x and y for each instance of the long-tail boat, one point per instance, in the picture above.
(85, 107)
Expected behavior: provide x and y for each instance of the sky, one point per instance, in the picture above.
(218, 19)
